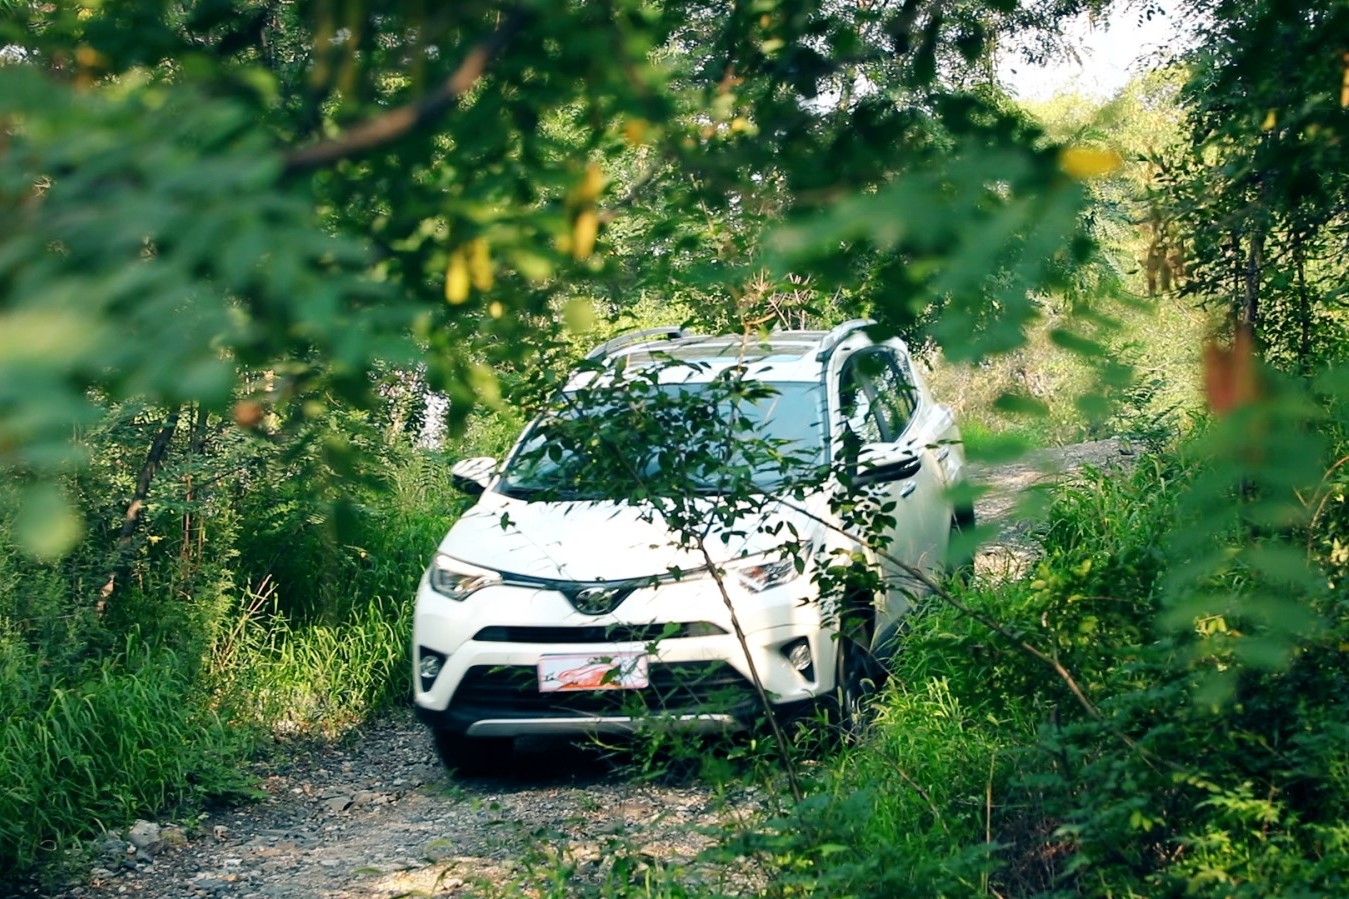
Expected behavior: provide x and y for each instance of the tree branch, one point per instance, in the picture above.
(122, 554)
(395, 123)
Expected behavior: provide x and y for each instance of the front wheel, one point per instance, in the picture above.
(470, 756)
(857, 677)
(962, 568)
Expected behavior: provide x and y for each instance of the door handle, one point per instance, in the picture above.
(907, 490)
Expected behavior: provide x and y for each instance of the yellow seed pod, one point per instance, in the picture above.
(592, 182)
(456, 277)
(583, 233)
(89, 58)
(1271, 120)
(1344, 82)
(634, 131)
(1089, 162)
(495, 309)
(480, 264)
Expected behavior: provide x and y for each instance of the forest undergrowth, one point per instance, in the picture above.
(982, 773)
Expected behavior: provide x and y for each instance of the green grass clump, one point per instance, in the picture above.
(987, 445)
(988, 772)
(128, 735)
(307, 679)
(910, 804)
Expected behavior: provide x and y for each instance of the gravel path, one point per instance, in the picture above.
(1013, 497)
(376, 816)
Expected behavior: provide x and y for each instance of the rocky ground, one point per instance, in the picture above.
(376, 816)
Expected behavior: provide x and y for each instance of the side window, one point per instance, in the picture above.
(895, 395)
(859, 408)
(878, 400)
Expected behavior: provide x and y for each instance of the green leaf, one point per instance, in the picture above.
(1021, 404)
(48, 525)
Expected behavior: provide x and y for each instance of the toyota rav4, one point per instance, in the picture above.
(678, 538)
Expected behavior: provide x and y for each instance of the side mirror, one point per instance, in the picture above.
(473, 475)
(880, 463)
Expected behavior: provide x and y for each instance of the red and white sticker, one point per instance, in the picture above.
(584, 671)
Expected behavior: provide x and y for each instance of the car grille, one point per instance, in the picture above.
(678, 688)
(613, 633)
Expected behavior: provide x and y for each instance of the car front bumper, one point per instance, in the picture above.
(489, 647)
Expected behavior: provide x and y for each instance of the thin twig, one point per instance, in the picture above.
(779, 737)
(931, 804)
(397, 122)
(135, 510)
(988, 815)
(1325, 497)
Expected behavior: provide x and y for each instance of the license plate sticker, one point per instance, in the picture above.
(582, 671)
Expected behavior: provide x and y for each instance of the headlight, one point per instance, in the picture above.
(457, 580)
(759, 573)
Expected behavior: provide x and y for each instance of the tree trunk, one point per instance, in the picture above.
(1248, 316)
(135, 510)
(192, 524)
(1304, 305)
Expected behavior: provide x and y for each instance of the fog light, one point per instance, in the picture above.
(429, 664)
(798, 656)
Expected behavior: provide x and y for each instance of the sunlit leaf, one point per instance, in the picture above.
(1021, 404)
(48, 525)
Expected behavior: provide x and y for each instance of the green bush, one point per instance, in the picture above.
(986, 774)
(1174, 789)
(296, 623)
(313, 679)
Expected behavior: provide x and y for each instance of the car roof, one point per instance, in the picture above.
(778, 346)
(797, 355)
(778, 356)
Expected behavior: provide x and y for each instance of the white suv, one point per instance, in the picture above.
(584, 593)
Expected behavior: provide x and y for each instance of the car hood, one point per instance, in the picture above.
(606, 541)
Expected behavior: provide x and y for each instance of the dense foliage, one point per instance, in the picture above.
(986, 776)
(1259, 195)
(253, 254)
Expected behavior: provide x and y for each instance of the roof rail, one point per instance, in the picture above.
(669, 332)
(841, 333)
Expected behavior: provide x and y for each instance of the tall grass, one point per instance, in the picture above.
(80, 753)
(312, 679)
(909, 812)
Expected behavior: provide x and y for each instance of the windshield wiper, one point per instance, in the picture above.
(517, 492)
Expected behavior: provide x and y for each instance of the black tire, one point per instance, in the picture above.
(472, 756)
(962, 571)
(858, 675)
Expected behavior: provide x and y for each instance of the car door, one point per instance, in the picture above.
(881, 405)
(925, 515)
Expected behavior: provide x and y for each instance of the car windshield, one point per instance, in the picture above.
(648, 439)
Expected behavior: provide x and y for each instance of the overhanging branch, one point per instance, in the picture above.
(395, 123)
